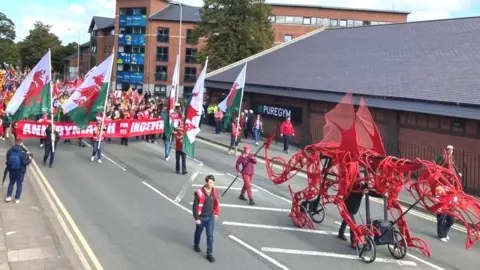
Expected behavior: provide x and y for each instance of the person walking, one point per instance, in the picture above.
(43, 120)
(444, 221)
(218, 121)
(244, 166)
(49, 147)
(235, 133)
(179, 154)
(257, 129)
(286, 131)
(18, 158)
(98, 138)
(205, 209)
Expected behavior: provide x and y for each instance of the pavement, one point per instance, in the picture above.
(134, 212)
(30, 236)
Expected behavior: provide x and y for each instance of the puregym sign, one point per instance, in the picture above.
(281, 112)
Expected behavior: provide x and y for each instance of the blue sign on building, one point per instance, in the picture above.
(131, 39)
(132, 20)
(131, 58)
(129, 77)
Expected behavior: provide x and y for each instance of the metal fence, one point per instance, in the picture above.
(466, 162)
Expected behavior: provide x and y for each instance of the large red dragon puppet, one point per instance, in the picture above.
(352, 158)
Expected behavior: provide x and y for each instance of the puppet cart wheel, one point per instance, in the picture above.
(317, 215)
(398, 248)
(367, 252)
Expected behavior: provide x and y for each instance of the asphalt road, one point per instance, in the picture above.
(125, 208)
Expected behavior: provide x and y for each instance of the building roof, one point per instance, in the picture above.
(431, 61)
(85, 45)
(70, 57)
(101, 23)
(172, 13)
(340, 8)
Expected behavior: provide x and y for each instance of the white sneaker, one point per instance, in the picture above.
(92, 158)
(448, 237)
(8, 136)
(99, 161)
(3, 138)
(17, 201)
(41, 145)
(444, 240)
(167, 158)
(8, 199)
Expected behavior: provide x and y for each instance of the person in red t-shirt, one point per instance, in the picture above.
(179, 154)
(286, 130)
(234, 136)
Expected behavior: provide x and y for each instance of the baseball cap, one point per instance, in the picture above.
(449, 147)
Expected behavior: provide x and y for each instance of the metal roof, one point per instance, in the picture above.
(172, 13)
(340, 8)
(435, 61)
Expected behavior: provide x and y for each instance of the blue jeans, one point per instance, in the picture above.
(96, 150)
(218, 126)
(207, 222)
(16, 177)
(168, 147)
(286, 141)
(256, 135)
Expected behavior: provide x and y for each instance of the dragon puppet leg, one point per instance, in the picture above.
(298, 214)
(414, 242)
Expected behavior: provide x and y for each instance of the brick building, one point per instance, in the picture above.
(420, 81)
(149, 32)
(102, 36)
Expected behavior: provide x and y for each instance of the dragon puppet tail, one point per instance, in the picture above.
(279, 164)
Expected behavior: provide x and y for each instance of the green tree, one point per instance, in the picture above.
(235, 29)
(37, 43)
(8, 49)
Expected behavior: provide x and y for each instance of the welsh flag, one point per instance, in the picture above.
(34, 96)
(89, 99)
(232, 103)
(194, 111)
(168, 121)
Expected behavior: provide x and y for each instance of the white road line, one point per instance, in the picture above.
(262, 189)
(225, 187)
(301, 174)
(212, 173)
(334, 255)
(185, 187)
(339, 223)
(166, 197)
(109, 159)
(261, 226)
(425, 262)
(253, 207)
(258, 252)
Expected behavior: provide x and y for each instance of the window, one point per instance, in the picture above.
(365, 23)
(287, 38)
(162, 54)
(161, 73)
(280, 19)
(307, 21)
(160, 90)
(350, 23)
(119, 86)
(191, 56)
(121, 49)
(289, 19)
(298, 20)
(333, 22)
(189, 39)
(187, 93)
(137, 30)
(136, 68)
(122, 30)
(357, 23)
(190, 74)
(343, 23)
(271, 19)
(120, 67)
(163, 34)
(313, 21)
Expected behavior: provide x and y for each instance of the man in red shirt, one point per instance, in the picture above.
(244, 166)
(179, 154)
(235, 134)
(286, 130)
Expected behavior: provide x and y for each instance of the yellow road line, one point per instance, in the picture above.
(45, 185)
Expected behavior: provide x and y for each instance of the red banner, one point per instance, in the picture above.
(115, 129)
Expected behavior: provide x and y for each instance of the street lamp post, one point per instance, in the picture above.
(179, 46)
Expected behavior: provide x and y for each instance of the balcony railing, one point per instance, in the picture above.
(190, 78)
(162, 76)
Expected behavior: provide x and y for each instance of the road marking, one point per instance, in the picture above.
(334, 255)
(253, 207)
(264, 190)
(261, 226)
(425, 262)
(225, 187)
(166, 197)
(109, 159)
(185, 187)
(258, 252)
(212, 173)
(301, 174)
(51, 197)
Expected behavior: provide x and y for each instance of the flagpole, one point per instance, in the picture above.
(106, 100)
(240, 107)
(177, 87)
(52, 134)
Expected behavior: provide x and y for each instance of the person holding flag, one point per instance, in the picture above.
(51, 141)
(244, 166)
(179, 154)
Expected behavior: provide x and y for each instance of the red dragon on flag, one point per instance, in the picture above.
(89, 94)
(35, 89)
(232, 94)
